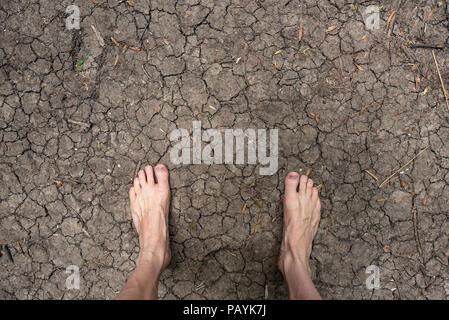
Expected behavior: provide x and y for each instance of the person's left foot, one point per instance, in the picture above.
(149, 202)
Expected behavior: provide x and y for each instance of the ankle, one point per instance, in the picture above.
(293, 263)
(150, 260)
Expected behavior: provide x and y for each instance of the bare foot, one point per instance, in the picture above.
(301, 218)
(149, 208)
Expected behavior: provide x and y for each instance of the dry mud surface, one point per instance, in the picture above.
(345, 99)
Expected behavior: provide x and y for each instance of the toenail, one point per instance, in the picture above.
(160, 168)
(292, 175)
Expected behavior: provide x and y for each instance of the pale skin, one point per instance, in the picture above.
(150, 201)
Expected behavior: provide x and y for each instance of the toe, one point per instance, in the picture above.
(136, 220)
(314, 194)
(303, 185)
(318, 205)
(162, 176)
(291, 184)
(316, 213)
(149, 173)
(132, 196)
(137, 186)
(142, 178)
(309, 188)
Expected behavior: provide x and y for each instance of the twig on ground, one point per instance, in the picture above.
(115, 42)
(397, 287)
(372, 175)
(424, 200)
(242, 211)
(8, 253)
(389, 19)
(424, 275)
(396, 172)
(402, 196)
(98, 35)
(391, 26)
(431, 14)
(441, 80)
(427, 46)
(98, 260)
(144, 70)
(415, 227)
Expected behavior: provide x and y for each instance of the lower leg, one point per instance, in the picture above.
(301, 218)
(149, 202)
(143, 282)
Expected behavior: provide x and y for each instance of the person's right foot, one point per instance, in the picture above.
(301, 218)
(149, 203)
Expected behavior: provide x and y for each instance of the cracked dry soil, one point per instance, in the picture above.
(345, 99)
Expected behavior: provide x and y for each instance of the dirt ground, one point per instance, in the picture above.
(81, 110)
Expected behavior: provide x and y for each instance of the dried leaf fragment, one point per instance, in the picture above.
(308, 171)
(331, 28)
(279, 51)
(115, 42)
(389, 18)
(315, 116)
(417, 82)
(85, 232)
(243, 210)
(300, 32)
(257, 202)
(426, 89)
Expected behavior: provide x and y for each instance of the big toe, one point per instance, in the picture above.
(161, 172)
(291, 185)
